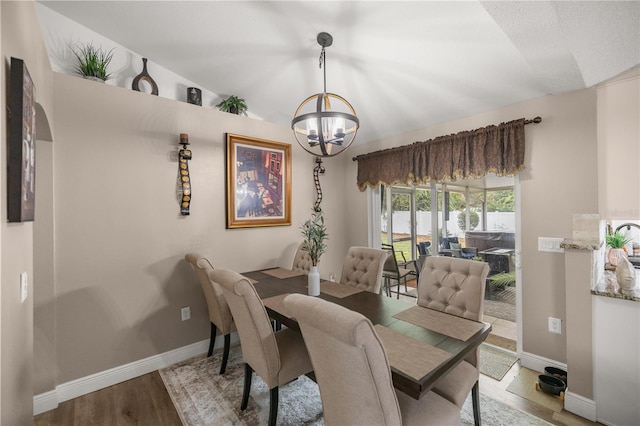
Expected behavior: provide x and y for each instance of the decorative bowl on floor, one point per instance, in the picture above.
(551, 385)
(556, 372)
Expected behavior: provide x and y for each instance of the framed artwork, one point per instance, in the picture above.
(258, 182)
(21, 144)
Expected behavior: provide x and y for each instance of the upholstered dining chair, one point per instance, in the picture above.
(277, 357)
(353, 373)
(301, 261)
(219, 313)
(363, 267)
(456, 286)
(392, 270)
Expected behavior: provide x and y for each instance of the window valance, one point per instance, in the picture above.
(469, 154)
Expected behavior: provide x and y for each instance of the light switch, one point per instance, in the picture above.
(24, 286)
(551, 244)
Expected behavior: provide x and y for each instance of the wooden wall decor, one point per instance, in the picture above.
(21, 144)
(183, 170)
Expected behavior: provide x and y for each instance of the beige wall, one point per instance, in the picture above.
(560, 179)
(120, 240)
(619, 147)
(20, 38)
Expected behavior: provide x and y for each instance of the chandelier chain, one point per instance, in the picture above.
(323, 61)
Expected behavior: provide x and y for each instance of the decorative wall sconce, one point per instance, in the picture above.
(183, 173)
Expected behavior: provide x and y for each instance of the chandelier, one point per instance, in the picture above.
(325, 124)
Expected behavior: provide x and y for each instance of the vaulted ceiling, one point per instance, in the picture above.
(402, 65)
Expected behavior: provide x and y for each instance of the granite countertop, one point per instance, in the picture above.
(580, 244)
(608, 286)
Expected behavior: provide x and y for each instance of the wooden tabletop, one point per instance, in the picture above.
(381, 311)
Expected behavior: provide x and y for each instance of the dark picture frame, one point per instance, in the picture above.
(21, 144)
(258, 182)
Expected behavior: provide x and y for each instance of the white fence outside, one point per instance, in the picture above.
(496, 221)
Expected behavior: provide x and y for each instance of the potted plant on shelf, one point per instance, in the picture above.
(617, 242)
(234, 105)
(93, 62)
(315, 234)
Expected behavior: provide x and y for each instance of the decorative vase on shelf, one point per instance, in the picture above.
(614, 256)
(144, 77)
(626, 276)
(314, 282)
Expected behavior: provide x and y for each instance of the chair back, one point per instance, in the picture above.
(219, 313)
(420, 264)
(349, 361)
(302, 261)
(445, 242)
(391, 263)
(363, 268)
(258, 342)
(453, 285)
(424, 248)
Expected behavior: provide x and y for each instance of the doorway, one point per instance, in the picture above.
(478, 214)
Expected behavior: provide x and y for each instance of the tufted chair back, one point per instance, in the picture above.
(301, 261)
(349, 362)
(455, 286)
(363, 268)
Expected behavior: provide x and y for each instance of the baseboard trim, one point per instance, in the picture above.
(75, 388)
(538, 363)
(45, 402)
(580, 405)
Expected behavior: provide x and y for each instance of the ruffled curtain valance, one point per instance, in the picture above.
(473, 153)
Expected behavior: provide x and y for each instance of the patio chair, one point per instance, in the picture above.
(393, 271)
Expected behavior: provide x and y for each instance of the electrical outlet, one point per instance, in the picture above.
(555, 325)
(185, 313)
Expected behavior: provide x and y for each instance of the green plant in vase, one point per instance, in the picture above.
(93, 62)
(617, 242)
(315, 234)
(233, 105)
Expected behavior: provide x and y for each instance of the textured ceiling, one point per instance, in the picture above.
(402, 65)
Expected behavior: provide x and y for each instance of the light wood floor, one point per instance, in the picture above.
(145, 401)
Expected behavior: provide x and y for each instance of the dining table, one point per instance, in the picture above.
(422, 344)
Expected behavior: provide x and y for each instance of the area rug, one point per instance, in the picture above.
(494, 362)
(524, 385)
(203, 397)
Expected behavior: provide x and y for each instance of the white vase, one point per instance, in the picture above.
(614, 255)
(314, 282)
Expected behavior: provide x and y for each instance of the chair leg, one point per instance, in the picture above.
(273, 406)
(248, 374)
(475, 398)
(225, 354)
(212, 339)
